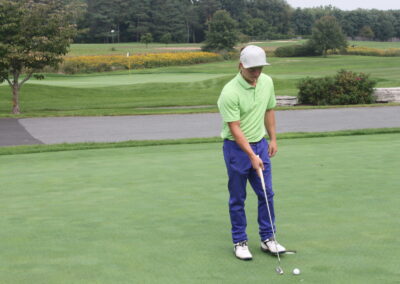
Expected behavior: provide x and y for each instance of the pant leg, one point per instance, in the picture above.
(238, 166)
(265, 226)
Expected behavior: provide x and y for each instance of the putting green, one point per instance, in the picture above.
(121, 80)
(158, 214)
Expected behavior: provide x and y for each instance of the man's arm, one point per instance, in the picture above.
(241, 140)
(270, 125)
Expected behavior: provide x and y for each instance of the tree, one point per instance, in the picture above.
(140, 20)
(367, 33)
(168, 17)
(146, 39)
(32, 35)
(222, 33)
(327, 34)
(275, 12)
(166, 38)
(302, 21)
(383, 27)
(257, 29)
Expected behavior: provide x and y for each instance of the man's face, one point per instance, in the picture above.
(250, 74)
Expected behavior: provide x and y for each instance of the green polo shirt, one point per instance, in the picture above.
(239, 101)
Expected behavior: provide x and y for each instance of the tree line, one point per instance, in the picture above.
(186, 21)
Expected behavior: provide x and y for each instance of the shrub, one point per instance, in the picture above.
(352, 88)
(346, 87)
(314, 91)
(295, 50)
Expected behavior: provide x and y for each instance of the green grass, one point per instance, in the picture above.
(122, 92)
(111, 216)
(41, 148)
(110, 80)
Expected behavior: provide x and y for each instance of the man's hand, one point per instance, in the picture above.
(269, 121)
(257, 163)
(272, 148)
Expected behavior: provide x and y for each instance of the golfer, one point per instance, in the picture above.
(246, 105)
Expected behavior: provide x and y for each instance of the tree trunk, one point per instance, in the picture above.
(188, 31)
(118, 32)
(15, 87)
(15, 99)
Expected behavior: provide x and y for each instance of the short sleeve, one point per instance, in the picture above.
(228, 106)
(272, 100)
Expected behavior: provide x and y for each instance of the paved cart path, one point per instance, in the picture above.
(52, 130)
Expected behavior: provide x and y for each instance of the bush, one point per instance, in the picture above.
(295, 50)
(315, 91)
(345, 88)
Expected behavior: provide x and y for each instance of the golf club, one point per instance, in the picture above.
(278, 269)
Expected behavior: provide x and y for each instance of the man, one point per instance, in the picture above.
(246, 105)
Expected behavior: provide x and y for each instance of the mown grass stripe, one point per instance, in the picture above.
(25, 149)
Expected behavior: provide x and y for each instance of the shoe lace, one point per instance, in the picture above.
(242, 244)
(270, 240)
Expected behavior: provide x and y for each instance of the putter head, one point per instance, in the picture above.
(279, 270)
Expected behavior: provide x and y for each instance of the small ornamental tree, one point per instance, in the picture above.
(166, 38)
(146, 39)
(222, 33)
(33, 35)
(327, 34)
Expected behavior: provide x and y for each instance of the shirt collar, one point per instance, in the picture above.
(243, 82)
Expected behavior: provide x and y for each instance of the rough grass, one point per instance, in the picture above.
(375, 44)
(111, 216)
(79, 49)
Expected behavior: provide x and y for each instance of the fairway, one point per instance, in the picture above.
(124, 92)
(159, 214)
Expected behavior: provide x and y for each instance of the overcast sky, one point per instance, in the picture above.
(348, 4)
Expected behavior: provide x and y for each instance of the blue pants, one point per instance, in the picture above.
(239, 171)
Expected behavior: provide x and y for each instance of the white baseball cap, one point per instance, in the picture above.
(253, 56)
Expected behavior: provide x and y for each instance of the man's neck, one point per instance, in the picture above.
(251, 83)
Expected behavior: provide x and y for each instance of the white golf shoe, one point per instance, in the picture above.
(242, 251)
(272, 246)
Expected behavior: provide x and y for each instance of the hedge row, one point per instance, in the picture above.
(295, 50)
(367, 51)
(101, 63)
(307, 50)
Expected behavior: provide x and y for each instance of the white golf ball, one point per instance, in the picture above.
(296, 271)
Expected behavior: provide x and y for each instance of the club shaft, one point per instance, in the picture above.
(260, 173)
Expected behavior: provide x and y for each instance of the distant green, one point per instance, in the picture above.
(159, 214)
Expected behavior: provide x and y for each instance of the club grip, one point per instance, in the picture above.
(260, 174)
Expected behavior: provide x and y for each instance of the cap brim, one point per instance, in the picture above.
(250, 66)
